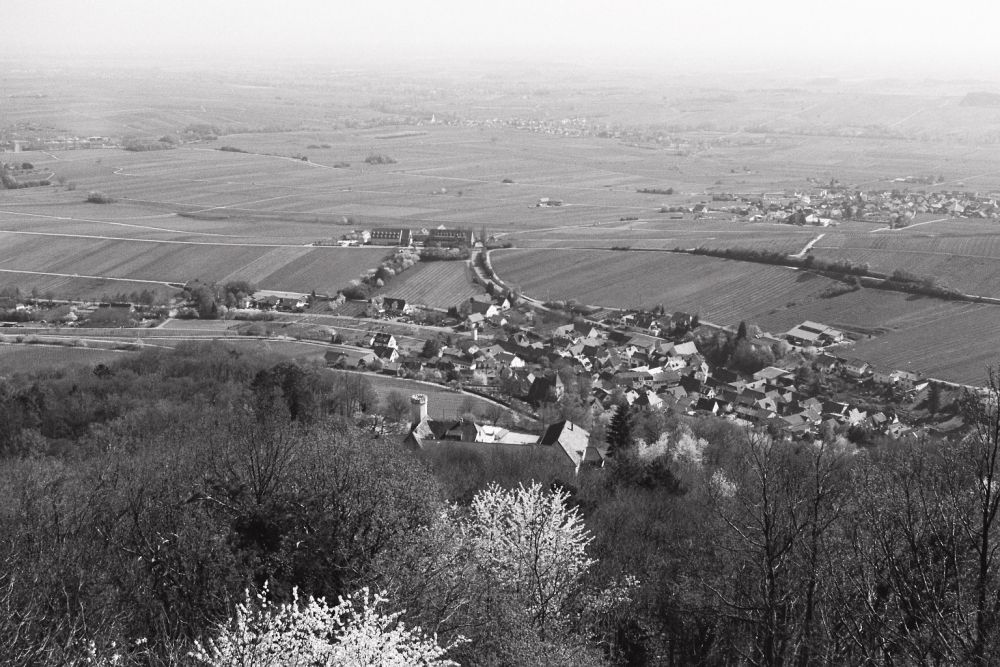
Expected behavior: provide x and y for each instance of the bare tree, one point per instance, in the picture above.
(776, 505)
(982, 449)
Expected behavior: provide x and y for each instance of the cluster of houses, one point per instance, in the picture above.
(773, 398)
(637, 368)
(828, 206)
(56, 143)
(87, 314)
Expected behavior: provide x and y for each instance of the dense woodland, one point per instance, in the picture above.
(142, 499)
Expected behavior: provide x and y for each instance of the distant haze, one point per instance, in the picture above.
(844, 38)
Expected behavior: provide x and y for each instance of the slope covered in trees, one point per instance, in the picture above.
(162, 503)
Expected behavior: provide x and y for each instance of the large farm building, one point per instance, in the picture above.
(440, 236)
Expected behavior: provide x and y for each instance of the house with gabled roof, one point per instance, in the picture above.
(586, 330)
(545, 389)
(349, 357)
(710, 405)
(483, 306)
(646, 398)
(574, 442)
(687, 349)
(393, 304)
(383, 339)
(665, 377)
(857, 368)
(771, 373)
(815, 334)
(510, 360)
(826, 362)
(385, 353)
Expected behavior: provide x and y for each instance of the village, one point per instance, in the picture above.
(571, 374)
(830, 205)
(563, 373)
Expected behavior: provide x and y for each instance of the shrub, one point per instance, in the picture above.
(98, 197)
(356, 291)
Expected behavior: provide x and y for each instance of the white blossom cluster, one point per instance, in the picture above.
(531, 542)
(682, 446)
(353, 633)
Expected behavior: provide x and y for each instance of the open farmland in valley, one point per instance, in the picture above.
(958, 253)
(434, 284)
(658, 232)
(489, 153)
(74, 265)
(720, 290)
(956, 344)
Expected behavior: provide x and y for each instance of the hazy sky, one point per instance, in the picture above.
(864, 36)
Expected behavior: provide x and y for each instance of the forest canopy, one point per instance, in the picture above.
(150, 503)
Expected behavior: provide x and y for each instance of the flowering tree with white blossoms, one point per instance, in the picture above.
(353, 633)
(532, 544)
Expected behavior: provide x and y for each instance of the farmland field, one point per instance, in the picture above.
(958, 346)
(434, 284)
(721, 291)
(953, 340)
(658, 232)
(76, 266)
(442, 403)
(960, 254)
(31, 358)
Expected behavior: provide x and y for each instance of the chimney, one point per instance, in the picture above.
(418, 403)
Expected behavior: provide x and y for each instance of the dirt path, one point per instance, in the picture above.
(171, 241)
(802, 253)
(77, 275)
(66, 218)
(916, 224)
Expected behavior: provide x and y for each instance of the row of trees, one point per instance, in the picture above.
(375, 279)
(899, 279)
